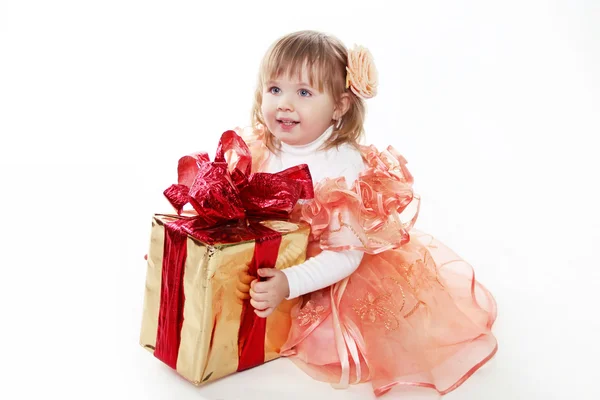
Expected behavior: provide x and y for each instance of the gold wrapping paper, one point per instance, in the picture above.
(211, 312)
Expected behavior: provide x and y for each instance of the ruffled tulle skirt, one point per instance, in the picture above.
(409, 316)
(412, 314)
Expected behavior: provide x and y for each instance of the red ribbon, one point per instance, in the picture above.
(251, 336)
(227, 198)
(170, 315)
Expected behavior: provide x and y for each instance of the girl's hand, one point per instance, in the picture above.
(266, 295)
(242, 289)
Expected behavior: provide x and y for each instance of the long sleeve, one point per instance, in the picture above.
(345, 161)
(320, 271)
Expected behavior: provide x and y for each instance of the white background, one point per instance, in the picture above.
(495, 105)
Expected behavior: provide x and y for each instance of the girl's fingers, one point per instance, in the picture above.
(242, 287)
(264, 313)
(245, 278)
(242, 295)
(260, 287)
(259, 296)
(259, 305)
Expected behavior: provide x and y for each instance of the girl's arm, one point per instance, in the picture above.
(329, 267)
(318, 272)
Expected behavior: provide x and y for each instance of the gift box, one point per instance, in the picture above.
(193, 320)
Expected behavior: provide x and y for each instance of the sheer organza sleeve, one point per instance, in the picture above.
(375, 214)
(254, 138)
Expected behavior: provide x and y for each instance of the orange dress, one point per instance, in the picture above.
(411, 314)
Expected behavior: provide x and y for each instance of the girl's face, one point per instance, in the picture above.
(295, 112)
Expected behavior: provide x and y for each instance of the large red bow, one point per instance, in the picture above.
(221, 193)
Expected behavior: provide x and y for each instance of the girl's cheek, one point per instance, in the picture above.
(267, 107)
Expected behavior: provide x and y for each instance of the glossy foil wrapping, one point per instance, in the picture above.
(208, 347)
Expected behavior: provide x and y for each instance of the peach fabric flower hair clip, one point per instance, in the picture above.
(361, 75)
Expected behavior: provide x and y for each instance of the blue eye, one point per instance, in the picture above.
(274, 90)
(304, 93)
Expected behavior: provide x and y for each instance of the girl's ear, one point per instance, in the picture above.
(342, 107)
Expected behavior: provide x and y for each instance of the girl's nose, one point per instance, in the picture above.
(284, 104)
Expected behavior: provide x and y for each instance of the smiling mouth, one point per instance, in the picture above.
(287, 122)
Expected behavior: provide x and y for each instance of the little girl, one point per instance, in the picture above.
(381, 302)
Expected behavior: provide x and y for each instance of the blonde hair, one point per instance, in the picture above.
(326, 59)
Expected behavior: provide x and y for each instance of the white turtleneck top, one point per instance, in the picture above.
(328, 267)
